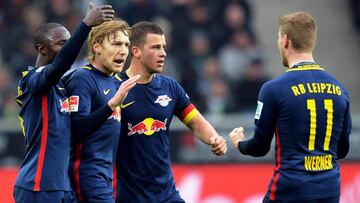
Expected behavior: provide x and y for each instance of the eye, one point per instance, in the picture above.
(62, 42)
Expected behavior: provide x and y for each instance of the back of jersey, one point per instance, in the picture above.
(311, 118)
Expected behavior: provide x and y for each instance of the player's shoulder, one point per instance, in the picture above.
(83, 72)
(165, 79)
(29, 74)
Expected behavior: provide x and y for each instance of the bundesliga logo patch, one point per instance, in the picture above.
(74, 103)
(258, 109)
(163, 100)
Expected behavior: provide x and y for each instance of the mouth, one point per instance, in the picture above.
(161, 62)
(119, 62)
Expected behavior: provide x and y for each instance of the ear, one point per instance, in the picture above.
(136, 52)
(97, 48)
(285, 41)
(41, 49)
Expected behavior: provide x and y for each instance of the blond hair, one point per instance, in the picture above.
(105, 30)
(301, 29)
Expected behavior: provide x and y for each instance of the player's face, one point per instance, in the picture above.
(113, 52)
(281, 48)
(153, 53)
(56, 39)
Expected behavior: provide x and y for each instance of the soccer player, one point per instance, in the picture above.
(143, 158)
(309, 111)
(44, 114)
(94, 97)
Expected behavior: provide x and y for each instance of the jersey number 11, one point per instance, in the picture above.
(311, 106)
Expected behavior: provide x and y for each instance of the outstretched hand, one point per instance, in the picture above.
(218, 145)
(237, 135)
(123, 90)
(98, 14)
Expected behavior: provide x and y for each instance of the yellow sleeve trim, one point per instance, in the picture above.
(22, 124)
(190, 116)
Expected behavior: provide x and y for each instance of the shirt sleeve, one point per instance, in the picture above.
(37, 83)
(265, 121)
(184, 109)
(84, 121)
(343, 144)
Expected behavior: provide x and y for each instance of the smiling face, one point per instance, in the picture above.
(112, 52)
(153, 53)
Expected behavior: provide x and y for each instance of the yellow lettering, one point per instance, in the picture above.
(295, 90)
(314, 87)
(333, 88)
(338, 90)
(318, 87)
(302, 88)
(19, 91)
(323, 87)
(309, 88)
(318, 163)
(307, 163)
(328, 85)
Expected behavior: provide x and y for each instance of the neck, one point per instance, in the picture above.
(138, 69)
(41, 61)
(296, 58)
(101, 68)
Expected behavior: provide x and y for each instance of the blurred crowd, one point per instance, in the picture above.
(212, 49)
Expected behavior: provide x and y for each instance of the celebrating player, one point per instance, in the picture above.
(309, 111)
(44, 114)
(94, 97)
(143, 158)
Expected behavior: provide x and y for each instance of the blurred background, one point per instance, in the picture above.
(221, 52)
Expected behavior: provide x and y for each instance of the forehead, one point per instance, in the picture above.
(152, 38)
(58, 33)
(119, 36)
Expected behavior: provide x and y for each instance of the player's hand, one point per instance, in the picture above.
(237, 135)
(218, 145)
(123, 90)
(98, 14)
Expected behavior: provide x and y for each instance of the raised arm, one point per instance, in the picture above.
(68, 53)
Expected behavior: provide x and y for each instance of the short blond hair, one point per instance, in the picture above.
(301, 29)
(106, 29)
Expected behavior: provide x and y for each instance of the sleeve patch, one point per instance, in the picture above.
(258, 109)
(74, 104)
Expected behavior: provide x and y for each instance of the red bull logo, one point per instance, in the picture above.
(148, 127)
(116, 115)
(64, 106)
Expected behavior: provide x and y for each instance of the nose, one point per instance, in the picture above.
(124, 50)
(162, 52)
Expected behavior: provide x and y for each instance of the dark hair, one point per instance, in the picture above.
(40, 33)
(140, 30)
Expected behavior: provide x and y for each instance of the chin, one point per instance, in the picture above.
(117, 69)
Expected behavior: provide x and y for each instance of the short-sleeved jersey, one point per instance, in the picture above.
(92, 156)
(143, 158)
(45, 121)
(308, 109)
